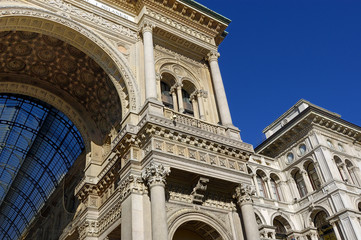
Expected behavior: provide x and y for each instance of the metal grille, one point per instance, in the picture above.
(38, 145)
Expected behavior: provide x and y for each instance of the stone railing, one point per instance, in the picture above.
(191, 121)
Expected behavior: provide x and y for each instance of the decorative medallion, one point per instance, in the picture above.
(3, 34)
(103, 95)
(79, 91)
(46, 55)
(94, 106)
(52, 41)
(27, 35)
(61, 79)
(21, 49)
(39, 70)
(87, 78)
(68, 65)
(75, 52)
(15, 64)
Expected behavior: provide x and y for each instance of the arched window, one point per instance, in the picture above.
(276, 190)
(281, 226)
(261, 186)
(166, 95)
(312, 174)
(187, 103)
(339, 165)
(301, 186)
(325, 230)
(352, 172)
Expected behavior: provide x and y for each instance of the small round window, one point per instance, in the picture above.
(290, 157)
(329, 143)
(302, 149)
(340, 147)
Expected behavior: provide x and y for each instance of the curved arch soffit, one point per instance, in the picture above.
(161, 64)
(83, 123)
(175, 221)
(277, 214)
(29, 18)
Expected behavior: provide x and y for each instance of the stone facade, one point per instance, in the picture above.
(141, 82)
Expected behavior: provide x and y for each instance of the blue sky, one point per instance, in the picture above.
(280, 51)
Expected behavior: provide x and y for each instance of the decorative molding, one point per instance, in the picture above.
(179, 26)
(67, 9)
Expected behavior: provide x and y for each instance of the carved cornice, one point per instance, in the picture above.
(183, 27)
(243, 194)
(68, 10)
(89, 228)
(187, 15)
(155, 174)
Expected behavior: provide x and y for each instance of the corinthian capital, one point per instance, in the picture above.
(213, 56)
(155, 174)
(147, 26)
(243, 193)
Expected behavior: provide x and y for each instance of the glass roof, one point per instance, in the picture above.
(38, 145)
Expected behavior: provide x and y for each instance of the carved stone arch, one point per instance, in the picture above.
(275, 215)
(337, 158)
(293, 170)
(29, 18)
(261, 217)
(275, 176)
(189, 85)
(181, 217)
(175, 66)
(261, 172)
(316, 209)
(357, 203)
(80, 118)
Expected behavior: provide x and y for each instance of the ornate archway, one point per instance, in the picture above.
(28, 18)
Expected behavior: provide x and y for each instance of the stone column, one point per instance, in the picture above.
(194, 105)
(200, 95)
(307, 181)
(335, 229)
(174, 98)
(294, 189)
(270, 190)
(224, 113)
(180, 97)
(254, 176)
(343, 172)
(149, 68)
(155, 175)
(243, 195)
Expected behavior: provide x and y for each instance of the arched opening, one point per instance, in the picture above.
(38, 146)
(168, 91)
(352, 171)
(260, 176)
(312, 175)
(340, 166)
(300, 183)
(282, 227)
(276, 188)
(49, 63)
(196, 230)
(324, 229)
